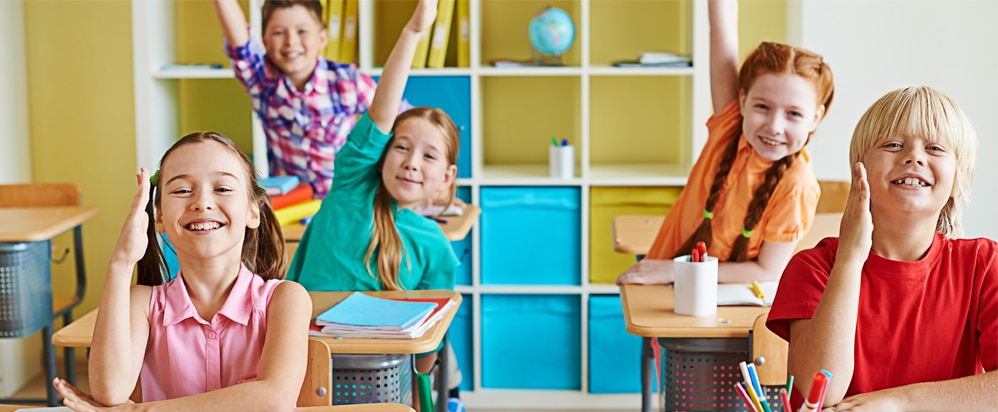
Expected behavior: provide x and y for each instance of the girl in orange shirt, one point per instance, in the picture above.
(752, 193)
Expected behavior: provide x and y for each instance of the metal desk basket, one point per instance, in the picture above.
(372, 379)
(25, 288)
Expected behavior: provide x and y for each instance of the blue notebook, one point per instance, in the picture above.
(278, 185)
(367, 312)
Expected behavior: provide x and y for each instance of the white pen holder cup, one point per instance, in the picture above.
(695, 286)
(561, 160)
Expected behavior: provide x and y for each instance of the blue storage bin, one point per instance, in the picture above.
(513, 326)
(614, 354)
(462, 248)
(459, 337)
(530, 236)
(451, 94)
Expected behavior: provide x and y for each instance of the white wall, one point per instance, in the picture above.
(19, 358)
(874, 46)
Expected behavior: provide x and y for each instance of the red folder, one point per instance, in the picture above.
(299, 194)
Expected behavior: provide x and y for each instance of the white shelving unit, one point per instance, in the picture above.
(156, 100)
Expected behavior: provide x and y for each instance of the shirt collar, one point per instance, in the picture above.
(237, 307)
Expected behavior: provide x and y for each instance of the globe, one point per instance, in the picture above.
(552, 31)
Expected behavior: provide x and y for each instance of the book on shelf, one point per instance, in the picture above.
(463, 33)
(663, 57)
(348, 40)
(364, 316)
(741, 294)
(422, 49)
(278, 185)
(301, 193)
(334, 27)
(441, 34)
(296, 212)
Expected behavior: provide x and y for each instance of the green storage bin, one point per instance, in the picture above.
(608, 202)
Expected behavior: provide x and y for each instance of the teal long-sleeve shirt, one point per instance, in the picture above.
(330, 256)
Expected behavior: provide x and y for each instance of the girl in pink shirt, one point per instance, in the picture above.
(228, 333)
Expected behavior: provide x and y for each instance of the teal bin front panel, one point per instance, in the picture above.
(462, 248)
(459, 337)
(614, 354)
(530, 236)
(531, 342)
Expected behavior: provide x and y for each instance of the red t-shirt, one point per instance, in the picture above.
(930, 320)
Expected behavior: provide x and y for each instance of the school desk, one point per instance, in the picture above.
(456, 228)
(23, 229)
(634, 234)
(80, 332)
(648, 313)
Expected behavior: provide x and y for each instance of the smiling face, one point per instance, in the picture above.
(205, 205)
(780, 112)
(416, 163)
(294, 39)
(910, 175)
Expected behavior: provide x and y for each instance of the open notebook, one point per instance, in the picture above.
(740, 294)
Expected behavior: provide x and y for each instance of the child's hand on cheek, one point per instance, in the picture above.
(856, 229)
(133, 240)
(422, 18)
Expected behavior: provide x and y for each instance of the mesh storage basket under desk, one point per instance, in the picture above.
(372, 379)
(25, 288)
(700, 374)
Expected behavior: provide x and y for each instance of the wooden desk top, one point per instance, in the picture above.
(79, 333)
(634, 234)
(648, 312)
(456, 228)
(380, 407)
(33, 224)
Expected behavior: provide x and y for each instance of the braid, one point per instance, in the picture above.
(704, 232)
(739, 251)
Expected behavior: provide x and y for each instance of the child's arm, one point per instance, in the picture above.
(723, 52)
(122, 325)
(768, 265)
(828, 340)
(233, 22)
(386, 101)
(969, 393)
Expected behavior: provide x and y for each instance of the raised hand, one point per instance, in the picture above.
(422, 18)
(132, 241)
(856, 229)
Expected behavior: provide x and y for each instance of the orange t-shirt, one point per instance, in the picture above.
(787, 217)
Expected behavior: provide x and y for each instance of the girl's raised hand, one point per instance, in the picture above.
(856, 229)
(133, 240)
(422, 18)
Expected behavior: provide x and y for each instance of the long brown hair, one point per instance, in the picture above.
(768, 58)
(263, 247)
(384, 235)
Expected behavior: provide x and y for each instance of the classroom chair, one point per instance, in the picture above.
(769, 354)
(53, 195)
(316, 390)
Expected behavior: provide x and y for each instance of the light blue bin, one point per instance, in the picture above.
(614, 354)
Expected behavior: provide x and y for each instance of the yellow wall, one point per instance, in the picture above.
(79, 60)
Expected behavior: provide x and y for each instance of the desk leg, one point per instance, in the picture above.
(48, 352)
(647, 366)
(442, 371)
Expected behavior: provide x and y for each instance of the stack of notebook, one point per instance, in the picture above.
(364, 316)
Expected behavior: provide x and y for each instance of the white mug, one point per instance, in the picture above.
(561, 160)
(695, 286)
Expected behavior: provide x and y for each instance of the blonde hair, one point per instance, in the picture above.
(384, 235)
(925, 112)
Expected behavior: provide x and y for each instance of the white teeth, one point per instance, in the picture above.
(204, 226)
(910, 181)
(769, 141)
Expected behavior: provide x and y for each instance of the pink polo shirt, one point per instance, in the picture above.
(187, 355)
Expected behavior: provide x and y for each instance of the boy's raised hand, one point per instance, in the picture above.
(856, 229)
(422, 18)
(133, 240)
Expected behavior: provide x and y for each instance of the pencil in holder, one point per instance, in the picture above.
(561, 161)
(695, 286)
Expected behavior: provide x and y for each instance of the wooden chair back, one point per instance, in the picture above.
(316, 390)
(769, 353)
(39, 195)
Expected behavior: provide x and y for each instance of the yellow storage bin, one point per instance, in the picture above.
(605, 204)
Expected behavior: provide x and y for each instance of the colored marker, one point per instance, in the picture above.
(790, 383)
(564, 142)
(702, 251)
(786, 399)
(816, 393)
(554, 142)
(758, 388)
(742, 393)
(757, 289)
(825, 387)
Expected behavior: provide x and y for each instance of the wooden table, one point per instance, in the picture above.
(80, 332)
(22, 226)
(648, 312)
(634, 234)
(456, 228)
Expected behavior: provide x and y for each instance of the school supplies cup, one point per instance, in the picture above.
(695, 286)
(561, 160)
